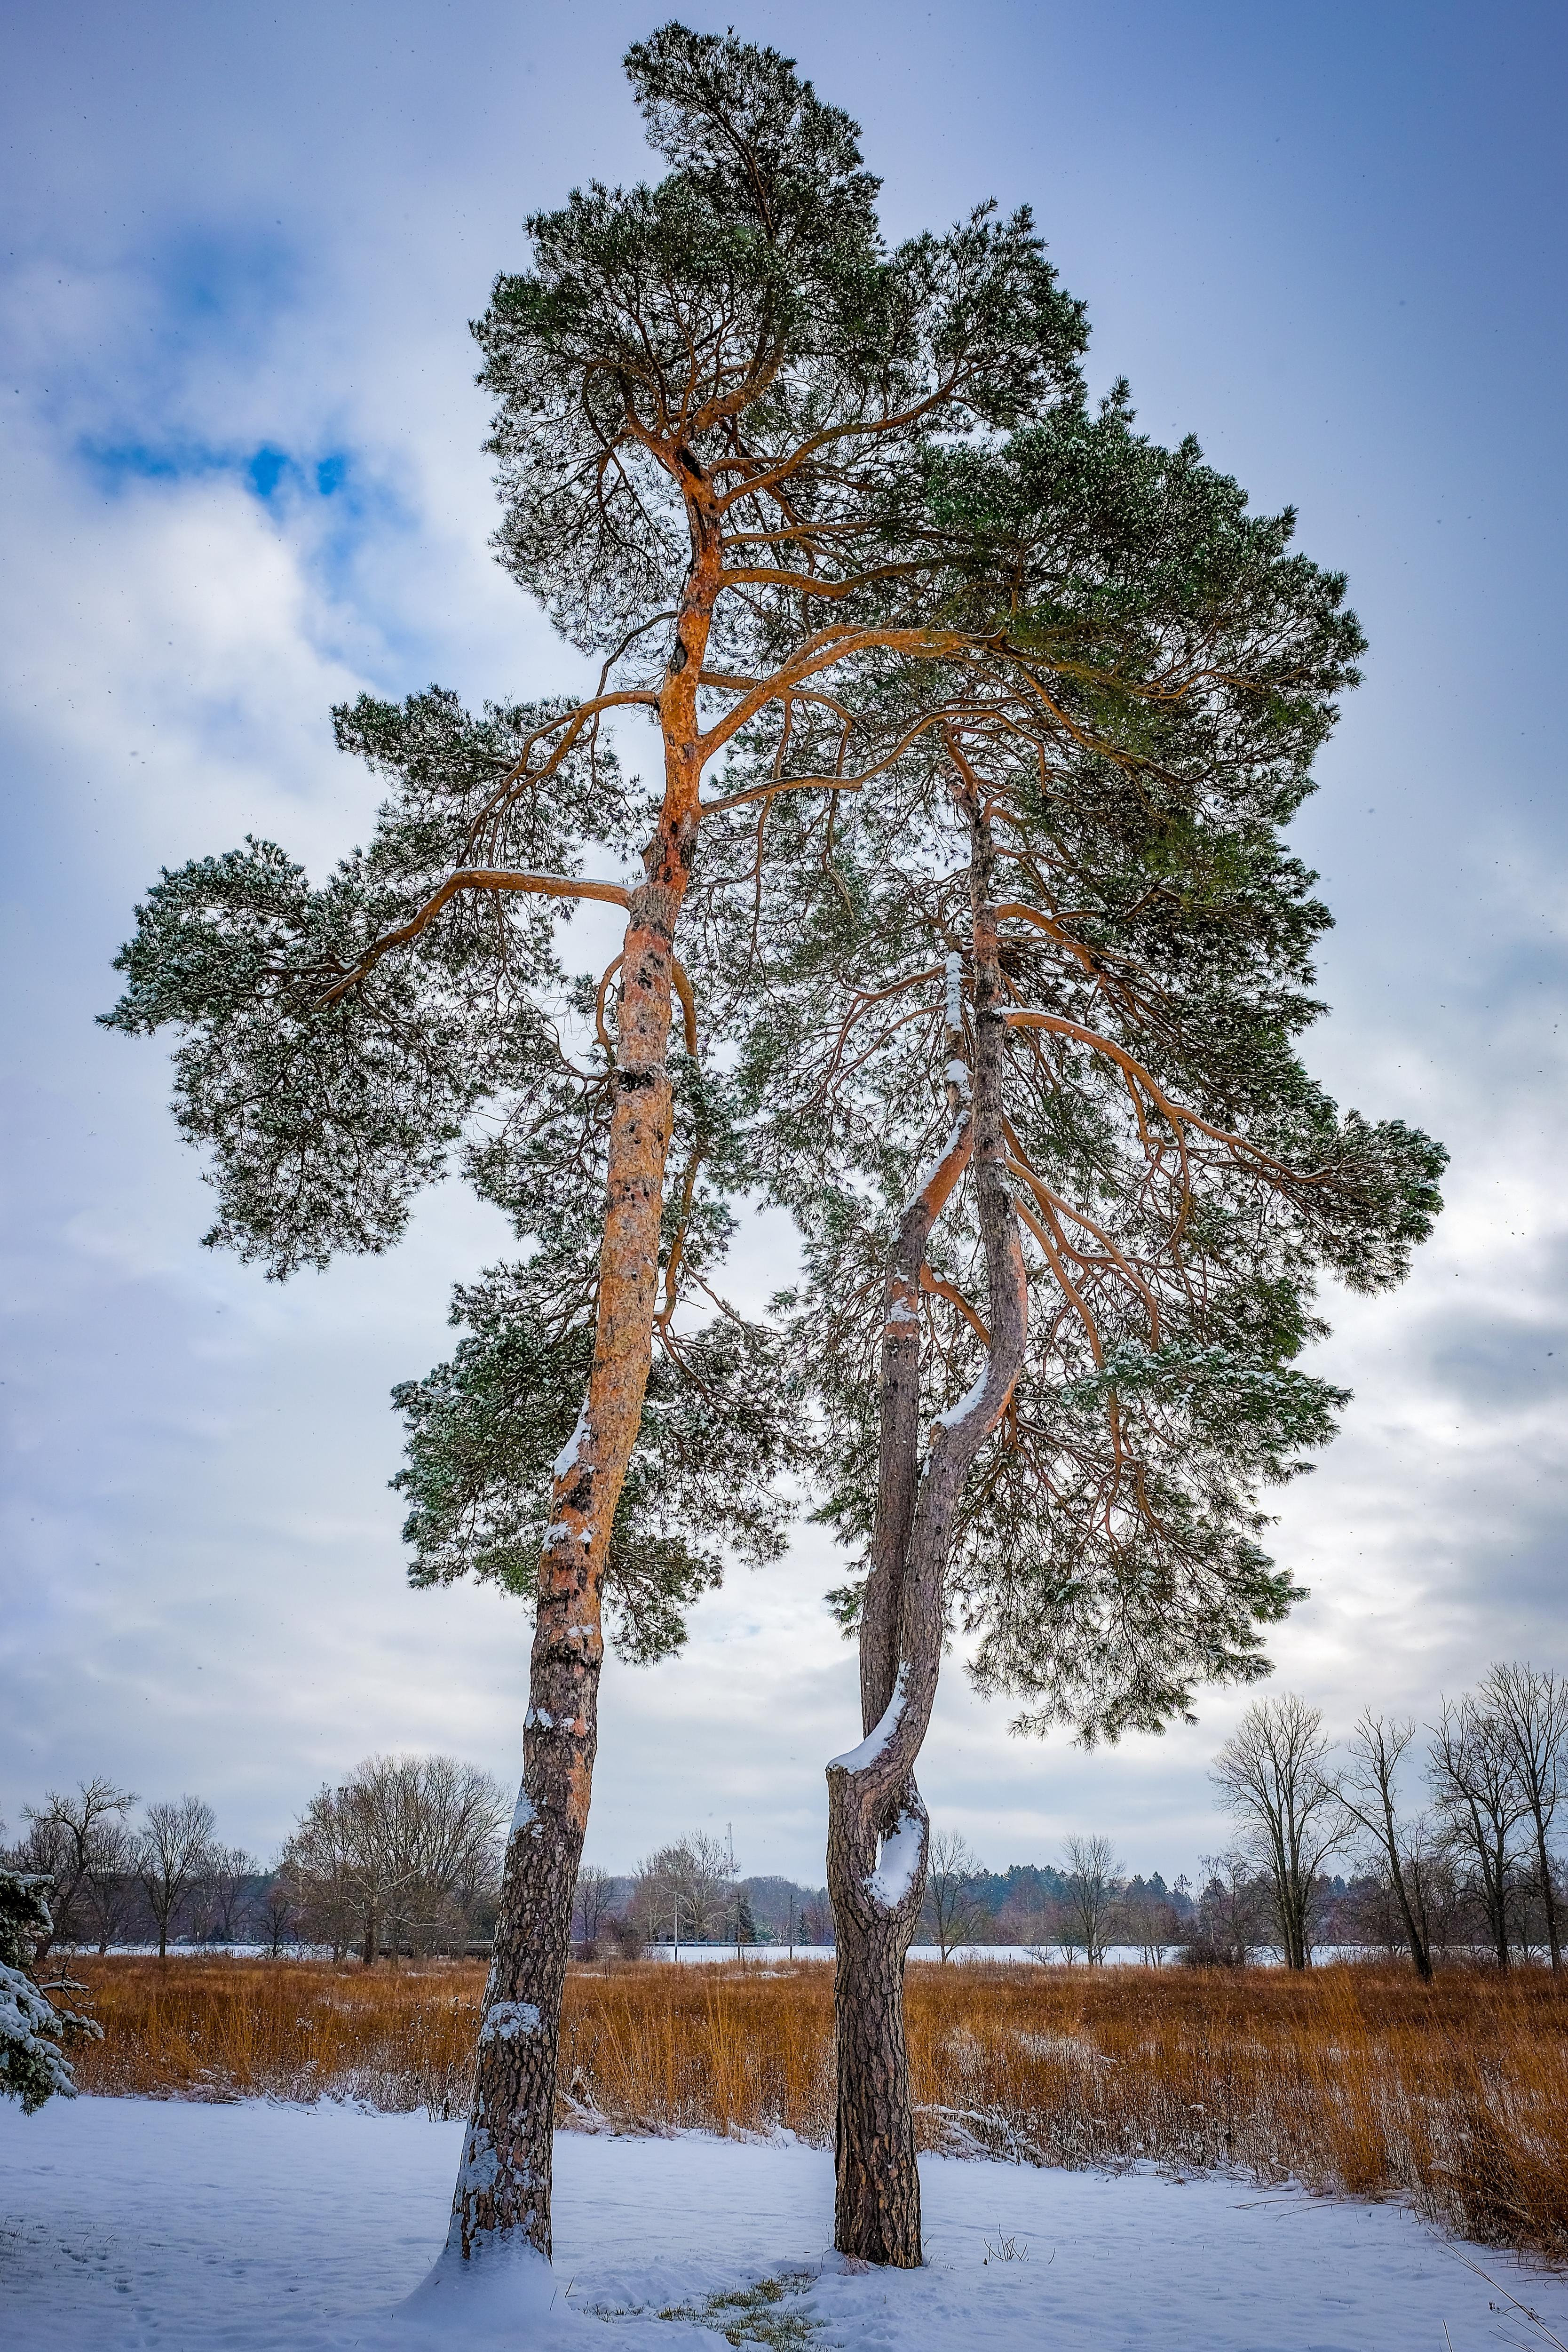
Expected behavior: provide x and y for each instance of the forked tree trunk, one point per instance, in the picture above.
(504, 2179)
(877, 1829)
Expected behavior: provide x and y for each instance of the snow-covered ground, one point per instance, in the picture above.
(142, 2226)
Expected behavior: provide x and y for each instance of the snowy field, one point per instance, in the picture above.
(133, 2224)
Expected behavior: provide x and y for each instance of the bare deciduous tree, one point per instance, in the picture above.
(952, 1913)
(816, 1921)
(173, 1850)
(1273, 1774)
(70, 1839)
(224, 1881)
(278, 1908)
(1403, 1852)
(317, 1876)
(111, 1881)
(684, 1891)
(1530, 1710)
(1470, 1764)
(405, 1844)
(1093, 1884)
(591, 1901)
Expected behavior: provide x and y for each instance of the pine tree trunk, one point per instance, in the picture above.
(505, 2175)
(877, 1829)
(876, 2178)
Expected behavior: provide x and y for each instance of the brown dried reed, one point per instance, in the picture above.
(1353, 2079)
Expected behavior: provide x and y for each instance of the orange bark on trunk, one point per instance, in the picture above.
(504, 2181)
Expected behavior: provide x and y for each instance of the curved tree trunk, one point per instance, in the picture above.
(505, 2175)
(877, 1827)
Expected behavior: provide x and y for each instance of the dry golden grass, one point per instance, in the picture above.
(192, 2028)
(1350, 2078)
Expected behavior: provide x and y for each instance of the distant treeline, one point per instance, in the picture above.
(404, 1857)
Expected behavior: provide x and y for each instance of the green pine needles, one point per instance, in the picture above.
(928, 558)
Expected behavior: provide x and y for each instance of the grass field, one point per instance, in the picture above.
(1351, 2078)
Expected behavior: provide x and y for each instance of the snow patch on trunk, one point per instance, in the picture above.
(506, 2020)
(892, 1879)
(567, 1458)
(954, 970)
(481, 2165)
(855, 1760)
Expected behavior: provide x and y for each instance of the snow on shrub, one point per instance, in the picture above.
(32, 2029)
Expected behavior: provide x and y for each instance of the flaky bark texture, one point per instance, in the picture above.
(877, 1826)
(504, 2181)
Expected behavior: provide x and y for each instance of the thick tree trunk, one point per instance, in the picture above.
(877, 1829)
(876, 2180)
(504, 2179)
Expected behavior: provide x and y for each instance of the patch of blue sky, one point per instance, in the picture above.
(332, 505)
(117, 462)
(269, 472)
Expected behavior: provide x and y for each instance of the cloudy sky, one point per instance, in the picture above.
(243, 479)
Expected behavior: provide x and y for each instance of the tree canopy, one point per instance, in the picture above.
(905, 610)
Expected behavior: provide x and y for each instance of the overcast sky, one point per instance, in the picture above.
(243, 479)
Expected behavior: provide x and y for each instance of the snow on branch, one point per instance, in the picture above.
(970, 1401)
